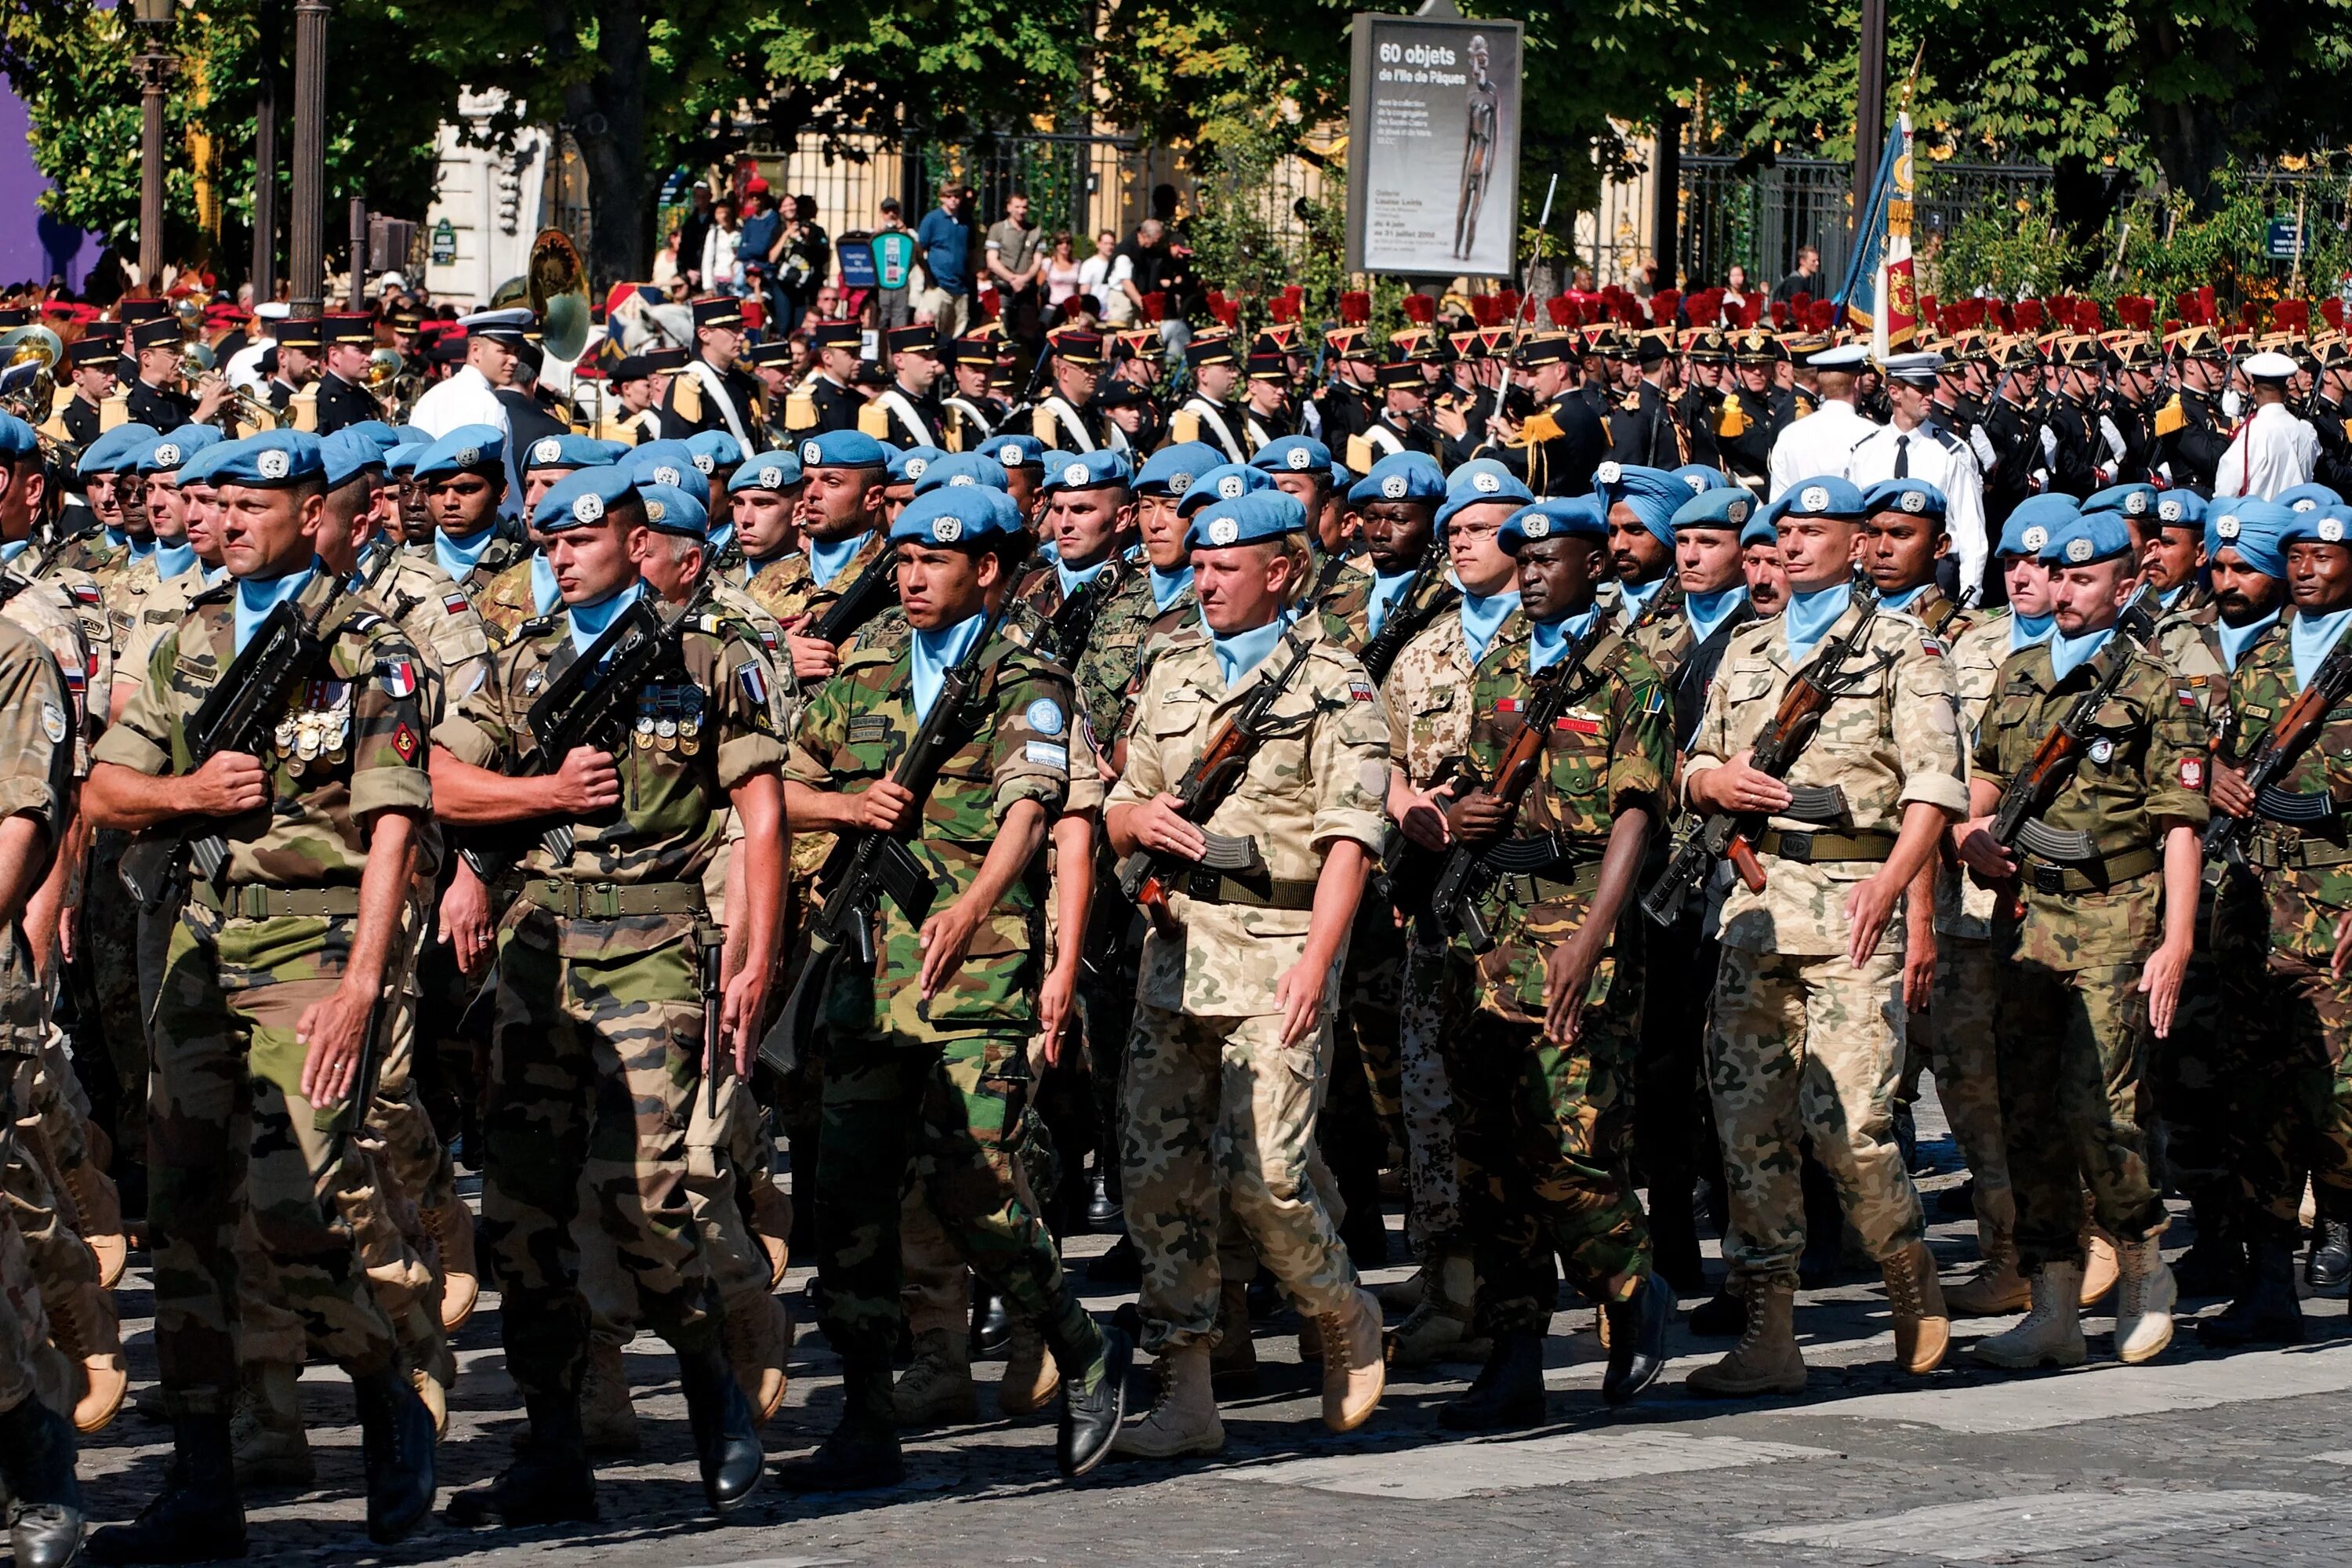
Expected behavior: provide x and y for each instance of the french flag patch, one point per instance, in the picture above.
(397, 676)
(755, 685)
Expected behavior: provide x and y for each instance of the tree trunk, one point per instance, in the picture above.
(607, 117)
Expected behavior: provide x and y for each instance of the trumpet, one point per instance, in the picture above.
(30, 394)
(391, 383)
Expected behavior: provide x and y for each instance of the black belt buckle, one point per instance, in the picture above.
(2047, 878)
(1797, 846)
(1201, 885)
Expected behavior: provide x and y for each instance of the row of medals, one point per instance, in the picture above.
(311, 734)
(669, 719)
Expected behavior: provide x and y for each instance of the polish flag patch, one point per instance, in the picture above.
(456, 603)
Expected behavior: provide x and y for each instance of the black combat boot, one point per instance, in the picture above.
(1093, 1363)
(2265, 1312)
(197, 1518)
(2215, 1263)
(1507, 1394)
(726, 1433)
(396, 1444)
(991, 1325)
(1103, 1212)
(45, 1506)
(551, 1481)
(2329, 1266)
(862, 1454)
(1637, 1340)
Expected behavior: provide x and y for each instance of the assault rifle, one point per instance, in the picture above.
(2275, 754)
(1406, 618)
(1067, 629)
(875, 590)
(867, 865)
(1725, 834)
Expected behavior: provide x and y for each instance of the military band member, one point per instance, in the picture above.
(825, 403)
(294, 367)
(274, 971)
(2190, 431)
(1348, 400)
(1209, 414)
(1808, 1021)
(154, 398)
(1555, 449)
(613, 916)
(1644, 425)
(1912, 446)
(1266, 413)
(630, 412)
(907, 413)
(973, 412)
(2094, 967)
(711, 393)
(343, 397)
(463, 478)
(1065, 418)
(91, 361)
(1231, 1031)
(468, 395)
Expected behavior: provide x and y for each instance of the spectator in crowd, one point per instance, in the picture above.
(1015, 261)
(1805, 280)
(690, 233)
(665, 268)
(1061, 274)
(1141, 258)
(759, 241)
(1735, 294)
(893, 307)
(722, 272)
(943, 245)
(805, 260)
(1104, 275)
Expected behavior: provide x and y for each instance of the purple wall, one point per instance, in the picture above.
(33, 244)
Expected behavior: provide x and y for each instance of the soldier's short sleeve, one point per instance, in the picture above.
(461, 647)
(391, 768)
(142, 739)
(1146, 773)
(1927, 719)
(744, 705)
(1349, 755)
(2176, 766)
(821, 733)
(36, 746)
(1086, 769)
(475, 727)
(1030, 751)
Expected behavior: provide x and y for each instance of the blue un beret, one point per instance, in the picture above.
(1294, 454)
(1825, 495)
(2035, 518)
(843, 450)
(1701, 479)
(467, 450)
(1226, 482)
(18, 440)
(1727, 506)
(964, 471)
(1555, 519)
(1478, 482)
(570, 451)
(906, 464)
(649, 465)
(1915, 497)
(1759, 530)
(2091, 537)
(1086, 470)
(104, 454)
(1245, 518)
(1171, 470)
(165, 453)
(2179, 509)
(714, 449)
(956, 514)
(669, 510)
(766, 472)
(1400, 476)
(2134, 501)
(1015, 451)
(1653, 494)
(198, 468)
(2255, 529)
(272, 458)
(2320, 525)
(401, 459)
(2307, 498)
(582, 496)
(347, 454)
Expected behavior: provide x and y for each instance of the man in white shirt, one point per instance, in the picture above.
(1822, 441)
(493, 340)
(2273, 450)
(1914, 446)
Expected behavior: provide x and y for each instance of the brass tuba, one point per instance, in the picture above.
(558, 294)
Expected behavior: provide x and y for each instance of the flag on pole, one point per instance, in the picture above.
(1881, 295)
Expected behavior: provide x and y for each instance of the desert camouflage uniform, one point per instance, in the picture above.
(1219, 1114)
(787, 588)
(2071, 1025)
(230, 1133)
(1802, 1041)
(2283, 1079)
(1544, 1126)
(596, 1048)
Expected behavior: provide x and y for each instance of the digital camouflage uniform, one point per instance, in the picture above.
(1220, 1114)
(230, 1135)
(2071, 1026)
(2282, 1076)
(1802, 1042)
(1544, 1126)
(596, 1046)
(935, 1091)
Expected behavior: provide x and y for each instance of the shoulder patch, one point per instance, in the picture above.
(1044, 716)
(397, 676)
(456, 603)
(1359, 689)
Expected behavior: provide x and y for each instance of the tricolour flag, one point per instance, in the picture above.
(1881, 294)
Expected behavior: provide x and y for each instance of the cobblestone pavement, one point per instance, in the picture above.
(2194, 1460)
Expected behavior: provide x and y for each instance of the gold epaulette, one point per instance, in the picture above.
(2173, 417)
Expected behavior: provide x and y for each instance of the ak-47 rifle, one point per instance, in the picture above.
(867, 865)
(237, 715)
(1407, 618)
(1725, 834)
(873, 591)
(1215, 773)
(2016, 821)
(1469, 868)
(2274, 755)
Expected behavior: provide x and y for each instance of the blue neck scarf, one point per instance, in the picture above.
(117, 537)
(170, 560)
(1710, 611)
(257, 596)
(1074, 579)
(1548, 641)
(589, 621)
(1483, 616)
(2310, 638)
(216, 575)
(544, 594)
(2068, 654)
(2024, 631)
(1050, 549)
(936, 652)
(2169, 595)
(1904, 600)
(721, 537)
(1244, 651)
(2236, 640)
(459, 554)
(13, 548)
(1388, 587)
(1809, 617)
(1639, 595)
(828, 556)
(141, 548)
(1166, 586)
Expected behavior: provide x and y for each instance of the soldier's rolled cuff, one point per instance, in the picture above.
(127, 748)
(391, 789)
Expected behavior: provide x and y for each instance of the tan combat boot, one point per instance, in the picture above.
(936, 1390)
(1233, 1365)
(1355, 1363)
(2143, 1302)
(2048, 1336)
(2100, 1269)
(1923, 1328)
(757, 1331)
(1183, 1419)
(1031, 1377)
(98, 1209)
(451, 1226)
(607, 1419)
(435, 1399)
(266, 1433)
(1765, 1359)
(83, 1321)
(1996, 1289)
(1439, 1328)
(772, 1227)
